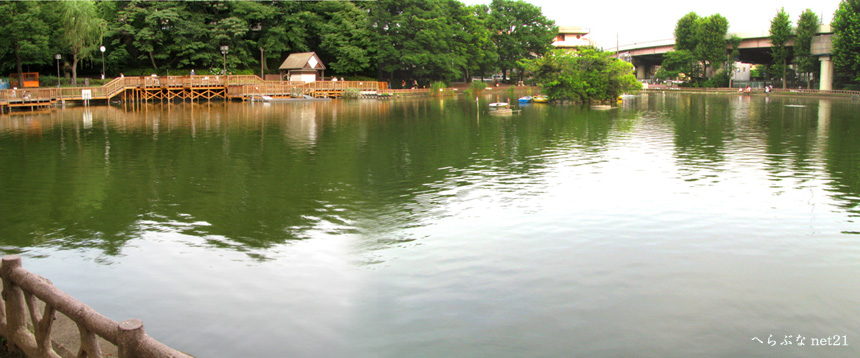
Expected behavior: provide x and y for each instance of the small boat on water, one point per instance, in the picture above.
(602, 107)
(540, 99)
(502, 112)
(525, 99)
(502, 109)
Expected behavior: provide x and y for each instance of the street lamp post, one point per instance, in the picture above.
(102, 49)
(58, 57)
(224, 50)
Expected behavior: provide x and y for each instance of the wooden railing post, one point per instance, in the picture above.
(129, 336)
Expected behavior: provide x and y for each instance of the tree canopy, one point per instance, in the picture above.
(685, 32)
(400, 40)
(25, 34)
(846, 39)
(807, 25)
(83, 31)
(711, 41)
(780, 34)
(699, 45)
(519, 30)
(587, 75)
(443, 40)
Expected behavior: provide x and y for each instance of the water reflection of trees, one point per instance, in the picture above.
(790, 132)
(799, 138)
(249, 176)
(843, 152)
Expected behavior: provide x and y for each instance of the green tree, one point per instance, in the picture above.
(711, 41)
(137, 30)
(584, 76)
(702, 41)
(481, 56)
(82, 31)
(519, 30)
(419, 40)
(807, 26)
(286, 29)
(685, 32)
(345, 37)
(24, 33)
(780, 35)
(678, 65)
(846, 39)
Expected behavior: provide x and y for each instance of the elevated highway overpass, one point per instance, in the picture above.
(754, 48)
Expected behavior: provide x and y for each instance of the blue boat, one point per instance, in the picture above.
(525, 99)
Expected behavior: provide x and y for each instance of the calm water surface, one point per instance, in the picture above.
(675, 226)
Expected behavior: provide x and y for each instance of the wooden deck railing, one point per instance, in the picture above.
(237, 86)
(21, 288)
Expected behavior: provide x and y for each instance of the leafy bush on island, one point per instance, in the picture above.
(437, 87)
(585, 76)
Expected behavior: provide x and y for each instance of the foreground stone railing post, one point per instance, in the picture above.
(21, 289)
(16, 328)
(129, 335)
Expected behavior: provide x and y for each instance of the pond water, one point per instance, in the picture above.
(676, 225)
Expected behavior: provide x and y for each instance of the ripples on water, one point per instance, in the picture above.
(677, 225)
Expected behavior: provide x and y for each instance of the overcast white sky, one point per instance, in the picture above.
(642, 20)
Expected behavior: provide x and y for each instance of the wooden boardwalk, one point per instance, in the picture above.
(170, 88)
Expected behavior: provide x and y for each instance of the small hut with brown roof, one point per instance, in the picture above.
(303, 66)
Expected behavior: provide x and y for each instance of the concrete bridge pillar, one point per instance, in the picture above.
(826, 73)
(641, 72)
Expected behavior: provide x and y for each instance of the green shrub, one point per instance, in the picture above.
(351, 93)
(477, 87)
(437, 87)
(721, 79)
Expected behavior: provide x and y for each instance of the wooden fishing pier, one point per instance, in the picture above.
(181, 88)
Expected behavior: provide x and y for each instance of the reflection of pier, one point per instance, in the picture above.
(171, 88)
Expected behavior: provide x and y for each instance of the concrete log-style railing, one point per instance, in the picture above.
(21, 288)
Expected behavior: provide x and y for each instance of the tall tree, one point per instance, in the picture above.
(82, 31)
(700, 40)
(482, 56)
(345, 38)
(780, 34)
(685, 32)
(519, 30)
(711, 41)
(807, 26)
(846, 39)
(24, 33)
(416, 42)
